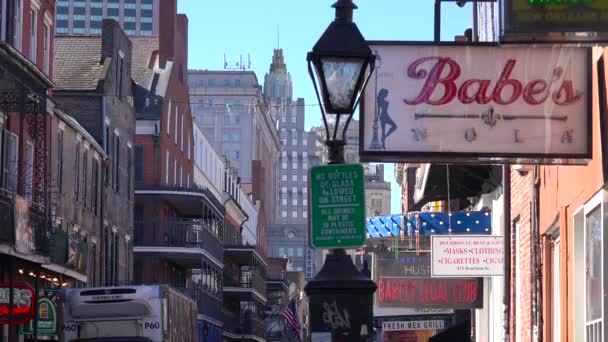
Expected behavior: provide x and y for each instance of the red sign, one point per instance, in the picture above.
(430, 293)
(23, 303)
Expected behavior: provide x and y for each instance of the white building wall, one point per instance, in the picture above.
(208, 164)
(250, 227)
(489, 320)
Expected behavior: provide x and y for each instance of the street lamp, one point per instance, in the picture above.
(340, 65)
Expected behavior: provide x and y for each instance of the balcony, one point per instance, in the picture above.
(244, 325)
(248, 286)
(182, 241)
(209, 303)
(34, 230)
(192, 201)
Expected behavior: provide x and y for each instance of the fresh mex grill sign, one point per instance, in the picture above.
(405, 281)
(477, 103)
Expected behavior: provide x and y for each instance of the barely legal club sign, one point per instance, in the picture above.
(451, 101)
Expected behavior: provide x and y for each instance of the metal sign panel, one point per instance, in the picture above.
(555, 20)
(413, 325)
(467, 256)
(477, 104)
(337, 206)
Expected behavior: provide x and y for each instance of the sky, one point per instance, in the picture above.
(255, 28)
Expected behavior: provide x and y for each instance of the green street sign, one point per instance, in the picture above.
(337, 206)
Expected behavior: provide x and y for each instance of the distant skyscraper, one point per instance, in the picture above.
(137, 17)
(287, 238)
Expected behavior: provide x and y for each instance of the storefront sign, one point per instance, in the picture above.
(23, 303)
(412, 325)
(47, 315)
(477, 104)
(546, 20)
(430, 293)
(337, 206)
(406, 266)
(467, 255)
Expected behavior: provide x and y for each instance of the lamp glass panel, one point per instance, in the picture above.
(341, 76)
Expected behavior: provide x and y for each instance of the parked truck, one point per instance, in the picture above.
(142, 313)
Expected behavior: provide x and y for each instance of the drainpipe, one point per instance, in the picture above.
(506, 184)
(536, 262)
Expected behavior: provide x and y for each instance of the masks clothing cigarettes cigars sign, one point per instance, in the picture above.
(467, 256)
(337, 206)
(459, 103)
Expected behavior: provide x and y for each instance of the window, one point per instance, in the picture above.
(108, 150)
(60, 160)
(284, 190)
(188, 140)
(117, 165)
(294, 141)
(556, 291)
(294, 201)
(294, 165)
(46, 46)
(284, 178)
(294, 119)
(290, 251)
(18, 25)
(294, 154)
(95, 186)
(281, 252)
(284, 166)
(305, 213)
(305, 165)
(283, 201)
(294, 178)
(129, 166)
(77, 173)
(29, 170)
(304, 140)
(593, 275)
(519, 310)
(283, 213)
(175, 172)
(300, 252)
(175, 137)
(294, 190)
(305, 190)
(305, 178)
(168, 117)
(181, 176)
(182, 132)
(10, 162)
(167, 168)
(294, 214)
(85, 181)
(121, 65)
(33, 28)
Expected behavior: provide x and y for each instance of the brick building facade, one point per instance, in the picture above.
(93, 78)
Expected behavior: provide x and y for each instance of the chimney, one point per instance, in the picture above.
(166, 28)
(109, 33)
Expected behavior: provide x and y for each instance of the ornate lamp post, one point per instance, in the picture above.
(340, 65)
(375, 143)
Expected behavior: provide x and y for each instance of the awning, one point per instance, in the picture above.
(429, 223)
(465, 181)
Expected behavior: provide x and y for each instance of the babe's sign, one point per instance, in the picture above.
(472, 103)
(430, 292)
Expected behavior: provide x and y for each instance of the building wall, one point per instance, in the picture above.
(564, 190)
(110, 118)
(521, 199)
(77, 212)
(137, 17)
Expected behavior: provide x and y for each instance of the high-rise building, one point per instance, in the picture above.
(230, 107)
(287, 237)
(137, 17)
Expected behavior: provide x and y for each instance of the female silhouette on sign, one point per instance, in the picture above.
(383, 116)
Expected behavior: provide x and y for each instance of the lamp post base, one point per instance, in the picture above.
(341, 300)
(375, 144)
